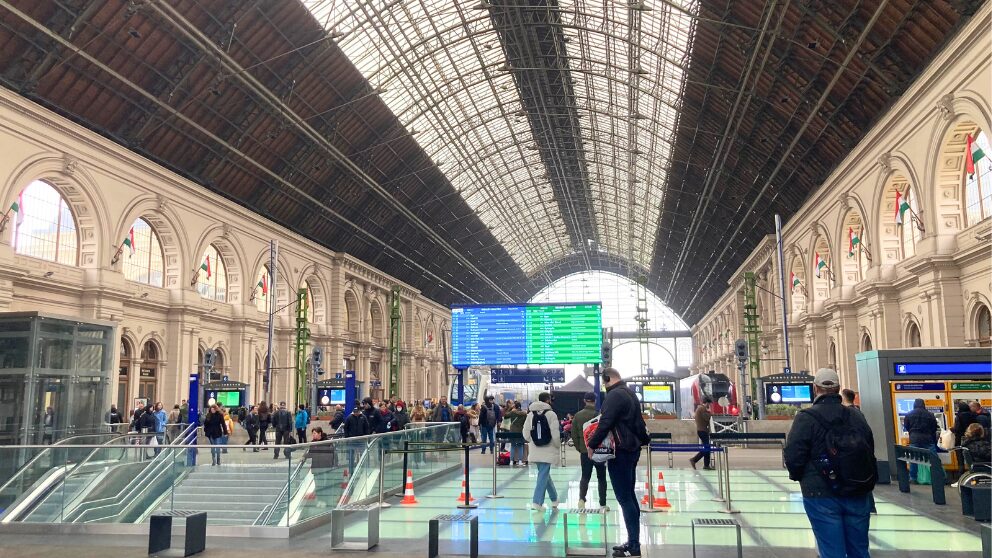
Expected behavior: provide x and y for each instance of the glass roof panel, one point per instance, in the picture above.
(441, 65)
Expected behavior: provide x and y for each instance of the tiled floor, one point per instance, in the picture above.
(771, 514)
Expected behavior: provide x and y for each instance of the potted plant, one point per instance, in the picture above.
(780, 411)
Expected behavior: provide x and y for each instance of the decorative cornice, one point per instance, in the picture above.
(945, 106)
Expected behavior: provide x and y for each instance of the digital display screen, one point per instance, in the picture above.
(788, 393)
(658, 394)
(229, 398)
(983, 369)
(905, 405)
(526, 334)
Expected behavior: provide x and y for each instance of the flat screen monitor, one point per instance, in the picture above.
(788, 393)
(904, 406)
(493, 334)
(229, 399)
(658, 394)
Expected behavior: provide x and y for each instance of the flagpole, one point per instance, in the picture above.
(273, 249)
(785, 300)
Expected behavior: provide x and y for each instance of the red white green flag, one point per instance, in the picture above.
(819, 264)
(973, 155)
(264, 283)
(795, 280)
(205, 266)
(902, 206)
(852, 240)
(17, 208)
(129, 241)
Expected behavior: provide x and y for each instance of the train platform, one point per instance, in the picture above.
(770, 508)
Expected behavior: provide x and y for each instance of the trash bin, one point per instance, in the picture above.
(976, 498)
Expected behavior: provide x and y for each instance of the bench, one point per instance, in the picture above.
(585, 551)
(160, 532)
(433, 528)
(717, 523)
(926, 457)
(338, 514)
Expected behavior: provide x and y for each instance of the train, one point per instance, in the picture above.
(719, 387)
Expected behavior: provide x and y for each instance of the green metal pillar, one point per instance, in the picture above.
(643, 334)
(302, 344)
(394, 342)
(752, 329)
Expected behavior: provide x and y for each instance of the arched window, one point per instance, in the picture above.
(143, 262)
(375, 322)
(261, 289)
(311, 307)
(43, 225)
(211, 282)
(866, 344)
(832, 355)
(913, 338)
(351, 314)
(855, 258)
(797, 286)
(220, 365)
(124, 374)
(821, 269)
(983, 326)
(909, 232)
(148, 374)
(978, 186)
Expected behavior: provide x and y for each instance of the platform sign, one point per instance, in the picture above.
(981, 369)
(527, 375)
(526, 334)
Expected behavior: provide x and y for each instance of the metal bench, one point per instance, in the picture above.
(160, 533)
(433, 529)
(921, 456)
(717, 523)
(338, 515)
(585, 551)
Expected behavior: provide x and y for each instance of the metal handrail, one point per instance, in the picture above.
(284, 491)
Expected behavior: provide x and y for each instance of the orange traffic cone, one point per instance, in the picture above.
(660, 496)
(344, 478)
(464, 497)
(408, 497)
(647, 491)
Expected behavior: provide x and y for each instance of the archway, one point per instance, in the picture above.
(913, 337)
(821, 272)
(855, 260)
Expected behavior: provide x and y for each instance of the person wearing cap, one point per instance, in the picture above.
(840, 523)
(578, 439)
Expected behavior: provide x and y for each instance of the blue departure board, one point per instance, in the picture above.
(526, 334)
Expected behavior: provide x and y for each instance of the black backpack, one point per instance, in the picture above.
(540, 430)
(847, 462)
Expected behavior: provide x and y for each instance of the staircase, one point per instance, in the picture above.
(231, 495)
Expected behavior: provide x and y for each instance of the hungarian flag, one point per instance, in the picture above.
(429, 338)
(264, 283)
(795, 280)
(819, 264)
(852, 241)
(973, 155)
(902, 206)
(129, 241)
(16, 208)
(205, 266)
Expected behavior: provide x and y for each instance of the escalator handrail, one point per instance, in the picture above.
(283, 492)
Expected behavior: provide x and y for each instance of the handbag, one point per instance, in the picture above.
(607, 450)
(505, 425)
(946, 441)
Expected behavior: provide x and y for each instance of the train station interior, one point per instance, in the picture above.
(400, 210)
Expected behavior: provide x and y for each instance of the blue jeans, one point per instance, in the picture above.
(840, 525)
(517, 451)
(913, 466)
(623, 472)
(215, 448)
(544, 484)
(487, 433)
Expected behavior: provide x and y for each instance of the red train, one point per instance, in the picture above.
(718, 387)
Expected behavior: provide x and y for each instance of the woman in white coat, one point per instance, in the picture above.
(544, 450)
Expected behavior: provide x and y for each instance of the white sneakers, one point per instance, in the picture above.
(582, 504)
(554, 504)
(535, 507)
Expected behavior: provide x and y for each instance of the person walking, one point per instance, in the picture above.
(621, 416)
(461, 417)
(702, 417)
(173, 424)
(282, 421)
(161, 418)
(585, 415)
(830, 452)
(400, 416)
(442, 411)
(184, 414)
(252, 424)
(419, 414)
(300, 422)
(356, 424)
(321, 462)
(372, 415)
(264, 422)
(923, 431)
(229, 424)
(517, 418)
(490, 416)
(543, 432)
(473, 423)
(114, 418)
(214, 428)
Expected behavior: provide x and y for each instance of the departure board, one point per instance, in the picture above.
(526, 334)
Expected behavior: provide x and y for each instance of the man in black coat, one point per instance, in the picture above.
(282, 421)
(621, 414)
(923, 431)
(252, 424)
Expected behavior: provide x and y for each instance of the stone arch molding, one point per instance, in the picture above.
(894, 164)
(975, 301)
(319, 291)
(282, 272)
(80, 191)
(232, 252)
(156, 339)
(175, 244)
(945, 159)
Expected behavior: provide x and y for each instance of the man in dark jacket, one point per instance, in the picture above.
(372, 415)
(490, 416)
(585, 415)
(981, 416)
(356, 424)
(923, 431)
(621, 414)
(443, 412)
(338, 418)
(702, 417)
(840, 523)
(252, 424)
(282, 422)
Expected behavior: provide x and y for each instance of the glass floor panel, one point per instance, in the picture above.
(771, 514)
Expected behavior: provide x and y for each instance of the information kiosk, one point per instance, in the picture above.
(784, 389)
(658, 393)
(891, 380)
(335, 391)
(226, 393)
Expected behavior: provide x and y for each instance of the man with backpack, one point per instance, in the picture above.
(830, 451)
(543, 433)
(490, 416)
(620, 417)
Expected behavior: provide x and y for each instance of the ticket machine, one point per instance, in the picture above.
(890, 381)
